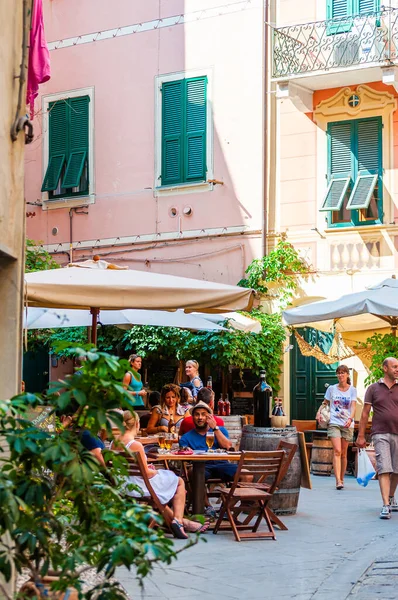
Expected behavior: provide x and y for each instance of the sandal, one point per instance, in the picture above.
(201, 529)
(340, 486)
(178, 530)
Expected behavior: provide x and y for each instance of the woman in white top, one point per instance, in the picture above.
(342, 398)
(166, 484)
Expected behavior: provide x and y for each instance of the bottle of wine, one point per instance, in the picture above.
(262, 400)
(221, 407)
(209, 383)
(227, 406)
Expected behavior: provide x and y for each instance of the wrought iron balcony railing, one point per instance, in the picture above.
(335, 44)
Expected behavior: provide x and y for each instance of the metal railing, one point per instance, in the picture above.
(335, 44)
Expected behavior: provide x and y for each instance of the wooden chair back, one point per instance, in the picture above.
(136, 468)
(249, 501)
(289, 452)
(302, 425)
(259, 466)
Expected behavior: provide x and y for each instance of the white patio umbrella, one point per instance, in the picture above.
(52, 318)
(370, 309)
(95, 285)
(237, 321)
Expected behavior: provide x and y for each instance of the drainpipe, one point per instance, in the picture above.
(266, 127)
(71, 235)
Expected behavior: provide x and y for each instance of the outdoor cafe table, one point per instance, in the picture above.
(148, 440)
(198, 471)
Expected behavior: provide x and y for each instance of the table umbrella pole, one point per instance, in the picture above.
(94, 312)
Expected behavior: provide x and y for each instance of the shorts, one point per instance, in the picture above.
(223, 470)
(337, 431)
(386, 451)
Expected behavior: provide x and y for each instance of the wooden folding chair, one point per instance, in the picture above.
(136, 468)
(303, 426)
(289, 452)
(257, 466)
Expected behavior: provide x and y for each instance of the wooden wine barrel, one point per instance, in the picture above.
(322, 456)
(285, 499)
(233, 424)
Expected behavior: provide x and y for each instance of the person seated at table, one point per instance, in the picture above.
(170, 414)
(166, 484)
(205, 422)
(186, 399)
(154, 404)
(204, 395)
(91, 442)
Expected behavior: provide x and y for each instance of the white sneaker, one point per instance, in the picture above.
(385, 512)
(393, 504)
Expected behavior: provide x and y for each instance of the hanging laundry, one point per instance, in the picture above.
(39, 56)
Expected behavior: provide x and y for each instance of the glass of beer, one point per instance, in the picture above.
(169, 441)
(210, 440)
(162, 440)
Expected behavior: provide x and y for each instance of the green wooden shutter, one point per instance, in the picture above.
(58, 144)
(368, 141)
(369, 167)
(195, 133)
(78, 141)
(340, 164)
(337, 14)
(368, 6)
(172, 132)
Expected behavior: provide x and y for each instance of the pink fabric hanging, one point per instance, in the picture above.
(39, 56)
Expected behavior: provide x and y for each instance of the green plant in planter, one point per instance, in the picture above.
(62, 511)
(282, 266)
(382, 347)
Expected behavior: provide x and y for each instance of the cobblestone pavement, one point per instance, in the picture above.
(336, 548)
(379, 581)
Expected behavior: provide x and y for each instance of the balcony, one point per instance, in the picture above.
(344, 51)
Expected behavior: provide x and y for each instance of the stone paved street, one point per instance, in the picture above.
(336, 548)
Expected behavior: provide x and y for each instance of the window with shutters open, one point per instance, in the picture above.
(184, 131)
(354, 192)
(339, 13)
(67, 173)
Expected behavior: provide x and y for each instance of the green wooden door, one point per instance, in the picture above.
(36, 370)
(309, 378)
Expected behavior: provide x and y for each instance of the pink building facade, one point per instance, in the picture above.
(148, 142)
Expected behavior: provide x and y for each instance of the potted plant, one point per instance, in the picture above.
(62, 512)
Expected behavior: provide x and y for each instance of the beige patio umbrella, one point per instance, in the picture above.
(97, 285)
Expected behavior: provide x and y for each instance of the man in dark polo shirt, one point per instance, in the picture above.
(382, 396)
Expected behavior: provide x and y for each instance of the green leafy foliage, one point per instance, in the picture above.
(60, 508)
(283, 265)
(109, 339)
(382, 346)
(216, 348)
(38, 259)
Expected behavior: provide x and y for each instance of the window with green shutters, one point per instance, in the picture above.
(67, 169)
(338, 13)
(184, 130)
(355, 170)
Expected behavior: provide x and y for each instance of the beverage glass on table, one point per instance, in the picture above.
(169, 441)
(162, 440)
(210, 440)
